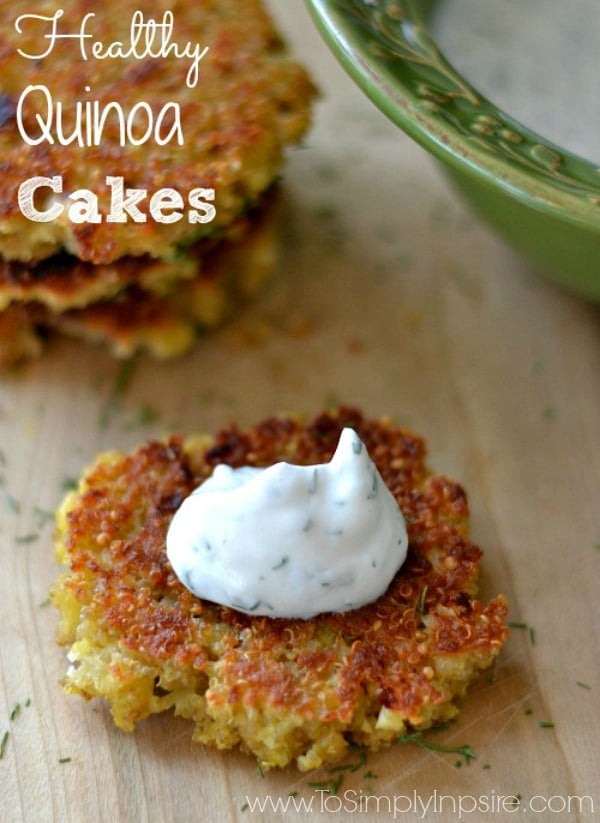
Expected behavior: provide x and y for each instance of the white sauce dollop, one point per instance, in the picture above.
(291, 541)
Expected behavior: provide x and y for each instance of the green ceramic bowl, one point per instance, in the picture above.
(542, 199)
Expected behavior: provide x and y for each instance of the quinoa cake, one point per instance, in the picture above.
(248, 102)
(283, 689)
(142, 308)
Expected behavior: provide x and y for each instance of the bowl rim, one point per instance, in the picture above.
(387, 48)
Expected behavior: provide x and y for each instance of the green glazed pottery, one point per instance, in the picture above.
(541, 199)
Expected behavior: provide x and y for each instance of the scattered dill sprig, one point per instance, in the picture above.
(15, 711)
(549, 413)
(464, 751)
(331, 786)
(3, 742)
(64, 759)
(43, 516)
(120, 386)
(583, 685)
(27, 538)
(515, 624)
(69, 484)
(146, 416)
(13, 503)
(546, 724)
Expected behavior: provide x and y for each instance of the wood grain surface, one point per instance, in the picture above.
(393, 297)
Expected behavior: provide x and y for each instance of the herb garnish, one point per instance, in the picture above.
(145, 417)
(331, 786)
(43, 516)
(13, 503)
(27, 538)
(464, 751)
(525, 627)
(3, 742)
(69, 484)
(113, 404)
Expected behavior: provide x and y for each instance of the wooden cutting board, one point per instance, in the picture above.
(392, 297)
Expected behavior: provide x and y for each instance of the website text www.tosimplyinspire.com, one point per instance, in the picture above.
(395, 806)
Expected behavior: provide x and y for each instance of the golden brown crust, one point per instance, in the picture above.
(363, 675)
(148, 305)
(250, 101)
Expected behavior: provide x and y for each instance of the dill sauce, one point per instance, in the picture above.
(291, 541)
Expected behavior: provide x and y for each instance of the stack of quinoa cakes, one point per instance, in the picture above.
(139, 157)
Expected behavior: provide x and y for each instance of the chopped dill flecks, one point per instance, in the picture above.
(538, 368)
(122, 382)
(549, 413)
(369, 775)
(69, 484)
(335, 784)
(124, 378)
(293, 794)
(528, 711)
(486, 766)
(353, 766)
(245, 807)
(64, 759)
(331, 786)
(13, 503)
(27, 702)
(145, 417)
(515, 624)
(3, 742)
(325, 211)
(206, 396)
(27, 538)
(546, 724)
(45, 603)
(332, 400)
(15, 711)
(43, 516)
(464, 751)
(583, 685)
(259, 770)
